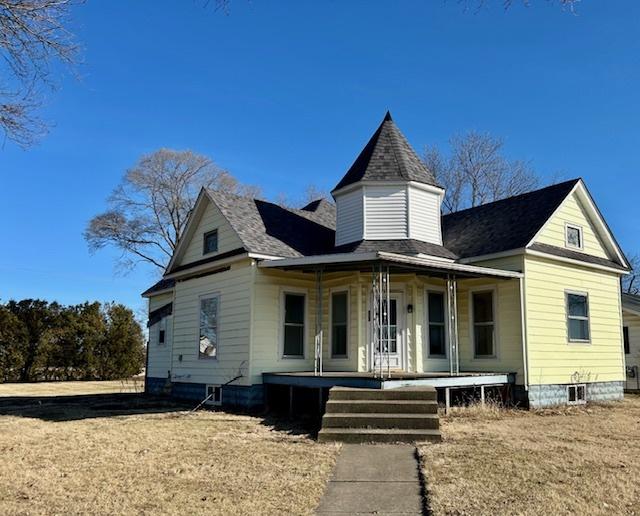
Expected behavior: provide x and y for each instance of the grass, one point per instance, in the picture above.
(71, 388)
(558, 461)
(80, 458)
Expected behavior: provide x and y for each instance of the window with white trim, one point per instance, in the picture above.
(577, 317)
(339, 323)
(574, 236)
(436, 322)
(576, 394)
(208, 337)
(294, 325)
(162, 330)
(214, 395)
(484, 327)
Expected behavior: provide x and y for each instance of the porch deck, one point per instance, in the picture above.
(368, 380)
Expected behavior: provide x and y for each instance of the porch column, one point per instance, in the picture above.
(452, 309)
(317, 363)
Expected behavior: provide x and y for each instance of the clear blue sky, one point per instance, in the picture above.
(284, 94)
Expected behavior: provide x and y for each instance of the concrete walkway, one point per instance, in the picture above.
(374, 479)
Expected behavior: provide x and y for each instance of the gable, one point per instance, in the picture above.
(207, 217)
(573, 212)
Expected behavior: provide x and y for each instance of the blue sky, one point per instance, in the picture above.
(284, 94)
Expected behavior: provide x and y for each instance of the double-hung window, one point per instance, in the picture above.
(436, 322)
(162, 330)
(210, 242)
(208, 339)
(339, 323)
(294, 325)
(577, 317)
(484, 325)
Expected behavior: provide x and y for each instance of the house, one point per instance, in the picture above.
(631, 339)
(381, 290)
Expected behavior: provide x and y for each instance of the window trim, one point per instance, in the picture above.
(339, 290)
(577, 386)
(626, 340)
(202, 297)
(580, 229)
(212, 401)
(472, 326)
(581, 318)
(204, 242)
(162, 327)
(295, 292)
(437, 290)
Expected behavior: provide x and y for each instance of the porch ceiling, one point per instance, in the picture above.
(397, 263)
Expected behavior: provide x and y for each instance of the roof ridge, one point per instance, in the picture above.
(511, 197)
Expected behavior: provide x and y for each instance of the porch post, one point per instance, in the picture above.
(450, 323)
(455, 325)
(317, 365)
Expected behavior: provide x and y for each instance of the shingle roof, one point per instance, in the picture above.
(271, 229)
(408, 246)
(631, 302)
(502, 225)
(163, 284)
(575, 255)
(387, 157)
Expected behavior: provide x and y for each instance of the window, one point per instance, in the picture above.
(483, 324)
(162, 330)
(576, 394)
(574, 236)
(435, 311)
(214, 395)
(210, 244)
(294, 308)
(208, 340)
(578, 317)
(339, 323)
(625, 338)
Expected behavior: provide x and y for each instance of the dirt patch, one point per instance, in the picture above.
(564, 461)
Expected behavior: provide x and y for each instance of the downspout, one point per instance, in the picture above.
(523, 325)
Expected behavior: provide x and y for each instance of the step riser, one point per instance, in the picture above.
(346, 437)
(380, 423)
(388, 407)
(390, 394)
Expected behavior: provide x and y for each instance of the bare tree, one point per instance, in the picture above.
(631, 282)
(311, 193)
(149, 209)
(33, 36)
(476, 172)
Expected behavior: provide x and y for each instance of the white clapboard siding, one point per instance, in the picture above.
(234, 288)
(211, 219)
(386, 212)
(424, 216)
(349, 220)
(159, 361)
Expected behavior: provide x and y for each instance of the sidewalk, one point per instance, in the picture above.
(374, 479)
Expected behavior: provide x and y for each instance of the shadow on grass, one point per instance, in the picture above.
(86, 406)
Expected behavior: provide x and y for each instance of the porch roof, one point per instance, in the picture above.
(397, 263)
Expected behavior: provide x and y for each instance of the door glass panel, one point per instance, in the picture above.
(389, 332)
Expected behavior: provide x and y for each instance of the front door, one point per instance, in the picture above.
(390, 351)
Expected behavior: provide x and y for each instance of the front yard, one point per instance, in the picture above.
(78, 459)
(583, 460)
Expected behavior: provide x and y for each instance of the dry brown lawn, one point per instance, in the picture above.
(583, 460)
(71, 388)
(72, 459)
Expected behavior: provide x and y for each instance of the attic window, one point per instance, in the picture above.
(210, 244)
(574, 236)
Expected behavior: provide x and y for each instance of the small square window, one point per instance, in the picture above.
(210, 242)
(574, 236)
(214, 395)
(576, 394)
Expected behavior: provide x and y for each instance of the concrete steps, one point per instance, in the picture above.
(378, 415)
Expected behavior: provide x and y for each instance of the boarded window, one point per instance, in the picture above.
(209, 327)
(339, 324)
(435, 302)
(294, 308)
(483, 324)
(625, 337)
(210, 244)
(578, 317)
